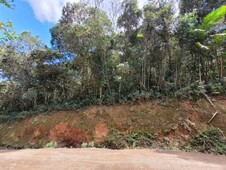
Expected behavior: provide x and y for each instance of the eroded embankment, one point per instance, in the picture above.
(170, 124)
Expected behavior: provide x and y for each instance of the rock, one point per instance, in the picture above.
(166, 139)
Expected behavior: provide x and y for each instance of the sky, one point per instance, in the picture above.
(38, 16)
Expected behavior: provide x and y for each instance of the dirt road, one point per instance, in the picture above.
(103, 159)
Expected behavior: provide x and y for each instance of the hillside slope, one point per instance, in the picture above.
(167, 125)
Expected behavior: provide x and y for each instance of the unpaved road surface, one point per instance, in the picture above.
(103, 159)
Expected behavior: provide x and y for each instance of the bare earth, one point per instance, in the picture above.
(68, 159)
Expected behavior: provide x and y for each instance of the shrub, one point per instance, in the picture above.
(192, 92)
(68, 136)
(215, 88)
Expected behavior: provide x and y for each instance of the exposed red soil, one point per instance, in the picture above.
(177, 122)
(101, 131)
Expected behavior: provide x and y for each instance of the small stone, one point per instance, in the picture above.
(166, 139)
(214, 100)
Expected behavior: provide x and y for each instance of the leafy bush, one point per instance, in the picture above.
(209, 141)
(215, 88)
(191, 92)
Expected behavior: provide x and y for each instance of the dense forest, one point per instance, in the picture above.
(125, 54)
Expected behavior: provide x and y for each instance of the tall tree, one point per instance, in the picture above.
(87, 37)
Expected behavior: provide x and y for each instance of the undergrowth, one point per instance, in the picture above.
(211, 140)
(192, 92)
(119, 140)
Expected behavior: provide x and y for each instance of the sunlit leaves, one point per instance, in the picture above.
(212, 18)
(6, 28)
(140, 35)
(219, 37)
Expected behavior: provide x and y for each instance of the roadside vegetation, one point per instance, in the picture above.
(211, 140)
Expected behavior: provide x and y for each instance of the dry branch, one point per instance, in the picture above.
(213, 117)
(209, 100)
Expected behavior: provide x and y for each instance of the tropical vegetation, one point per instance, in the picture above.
(127, 54)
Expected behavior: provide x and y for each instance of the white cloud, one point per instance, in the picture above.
(48, 10)
(51, 10)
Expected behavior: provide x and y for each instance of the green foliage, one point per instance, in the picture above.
(116, 140)
(51, 144)
(131, 15)
(219, 38)
(212, 18)
(192, 92)
(215, 87)
(91, 64)
(209, 141)
(6, 29)
(140, 35)
(13, 116)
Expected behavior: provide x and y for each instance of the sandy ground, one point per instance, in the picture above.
(103, 159)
